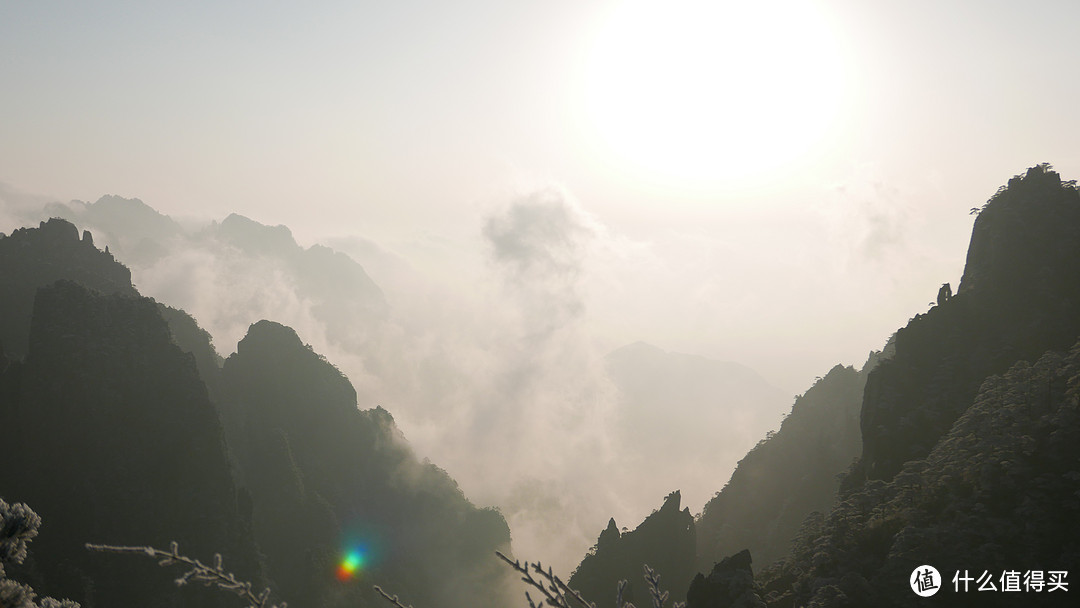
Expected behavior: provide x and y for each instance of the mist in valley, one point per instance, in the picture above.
(585, 255)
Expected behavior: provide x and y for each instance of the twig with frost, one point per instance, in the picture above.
(619, 589)
(393, 599)
(200, 573)
(652, 577)
(556, 593)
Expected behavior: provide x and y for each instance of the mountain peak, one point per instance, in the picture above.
(1017, 300)
(35, 257)
(672, 502)
(269, 334)
(248, 234)
(1025, 234)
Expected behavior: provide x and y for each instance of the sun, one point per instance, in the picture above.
(701, 92)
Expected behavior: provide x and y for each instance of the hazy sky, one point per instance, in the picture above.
(782, 184)
(408, 122)
(778, 184)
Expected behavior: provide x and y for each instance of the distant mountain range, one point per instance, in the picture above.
(678, 421)
(956, 446)
(122, 426)
(341, 291)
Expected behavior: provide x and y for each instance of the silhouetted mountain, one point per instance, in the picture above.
(788, 475)
(730, 584)
(970, 458)
(664, 541)
(1019, 297)
(341, 294)
(193, 339)
(137, 232)
(325, 476)
(333, 279)
(997, 493)
(34, 257)
(683, 405)
(110, 435)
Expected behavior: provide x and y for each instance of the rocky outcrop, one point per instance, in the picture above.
(665, 542)
(136, 231)
(35, 257)
(110, 435)
(789, 474)
(729, 585)
(969, 452)
(996, 494)
(328, 478)
(1019, 298)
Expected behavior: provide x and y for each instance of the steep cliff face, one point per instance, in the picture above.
(34, 257)
(970, 454)
(193, 339)
(110, 435)
(730, 584)
(1018, 298)
(665, 541)
(330, 478)
(1022, 236)
(110, 431)
(788, 475)
(996, 494)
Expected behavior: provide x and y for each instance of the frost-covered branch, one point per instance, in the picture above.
(393, 599)
(556, 593)
(214, 575)
(18, 526)
(652, 577)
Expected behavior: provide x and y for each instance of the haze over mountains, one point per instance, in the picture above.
(511, 400)
(953, 446)
(968, 460)
(121, 435)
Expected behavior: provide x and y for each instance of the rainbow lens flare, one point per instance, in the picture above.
(351, 564)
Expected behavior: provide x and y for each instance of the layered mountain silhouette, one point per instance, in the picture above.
(35, 257)
(996, 494)
(122, 425)
(789, 474)
(665, 541)
(336, 283)
(111, 437)
(966, 422)
(136, 231)
(968, 458)
(325, 476)
(687, 416)
(339, 292)
(1018, 298)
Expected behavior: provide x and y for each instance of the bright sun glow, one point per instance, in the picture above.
(707, 91)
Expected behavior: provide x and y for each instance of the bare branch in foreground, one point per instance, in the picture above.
(201, 573)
